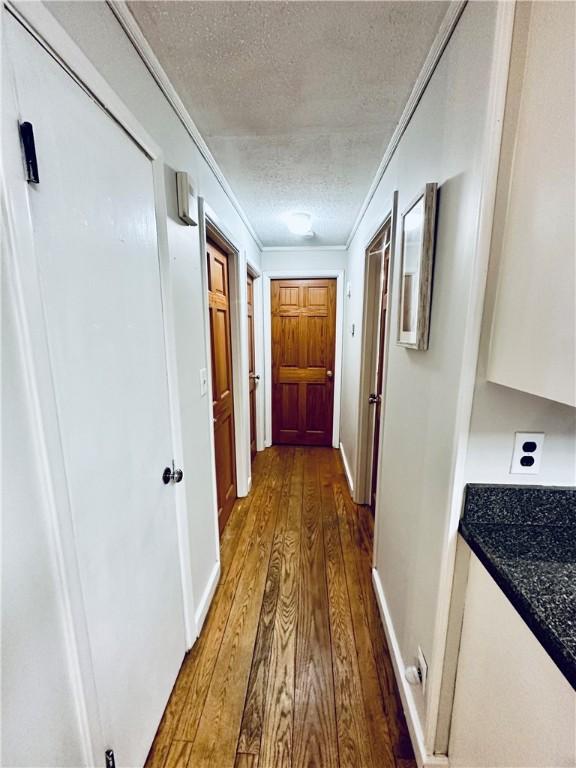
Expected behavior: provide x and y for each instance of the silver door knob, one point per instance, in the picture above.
(329, 374)
(373, 398)
(171, 474)
(255, 377)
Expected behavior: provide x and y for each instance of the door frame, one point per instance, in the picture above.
(370, 329)
(23, 282)
(211, 226)
(255, 273)
(303, 274)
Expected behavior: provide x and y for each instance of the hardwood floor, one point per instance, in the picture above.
(291, 669)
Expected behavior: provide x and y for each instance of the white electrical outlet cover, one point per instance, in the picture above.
(527, 454)
(423, 667)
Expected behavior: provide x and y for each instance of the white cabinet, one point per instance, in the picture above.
(533, 339)
(513, 708)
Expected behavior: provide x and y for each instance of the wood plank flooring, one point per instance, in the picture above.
(291, 669)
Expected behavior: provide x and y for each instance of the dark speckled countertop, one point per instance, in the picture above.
(526, 538)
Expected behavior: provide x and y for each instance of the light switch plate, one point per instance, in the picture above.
(203, 382)
(527, 454)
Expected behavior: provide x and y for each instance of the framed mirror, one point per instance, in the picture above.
(416, 267)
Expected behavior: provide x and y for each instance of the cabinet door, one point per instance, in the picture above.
(533, 343)
(513, 708)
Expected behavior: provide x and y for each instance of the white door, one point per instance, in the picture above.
(95, 236)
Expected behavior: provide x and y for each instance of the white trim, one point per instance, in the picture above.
(258, 303)
(136, 37)
(253, 269)
(303, 248)
(206, 599)
(369, 339)
(239, 339)
(303, 274)
(447, 27)
(180, 496)
(490, 158)
(207, 346)
(347, 470)
(423, 758)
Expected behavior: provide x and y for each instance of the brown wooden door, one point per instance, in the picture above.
(378, 393)
(222, 394)
(252, 377)
(303, 335)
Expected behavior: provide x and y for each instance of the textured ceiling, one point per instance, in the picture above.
(296, 100)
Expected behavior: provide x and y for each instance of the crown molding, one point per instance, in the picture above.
(301, 248)
(130, 26)
(441, 40)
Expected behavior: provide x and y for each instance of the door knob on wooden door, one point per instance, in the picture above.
(329, 374)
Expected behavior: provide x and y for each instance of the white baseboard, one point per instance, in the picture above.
(206, 599)
(347, 470)
(423, 759)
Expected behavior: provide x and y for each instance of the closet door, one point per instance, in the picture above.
(94, 225)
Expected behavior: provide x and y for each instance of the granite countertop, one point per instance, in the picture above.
(526, 538)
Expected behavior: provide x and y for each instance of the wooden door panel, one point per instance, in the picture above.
(288, 297)
(221, 337)
(289, 395)
(316, 408)
(224, 442)
(317, 298)
(303, 338)
(289, 374)
(317, 352)
(251, 346)
(222, 390)
(287, 341)
(218, 281)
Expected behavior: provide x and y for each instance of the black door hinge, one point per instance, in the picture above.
(27, 137)
(109, 755)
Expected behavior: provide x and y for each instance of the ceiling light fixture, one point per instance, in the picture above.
(300, 224)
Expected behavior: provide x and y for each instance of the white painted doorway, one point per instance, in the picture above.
(94, 230)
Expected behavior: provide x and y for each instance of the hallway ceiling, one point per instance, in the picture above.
(297, 101)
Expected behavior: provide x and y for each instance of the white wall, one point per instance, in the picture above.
(304, 258)
(444, 142)
(513, 708)
(95, 29)
(498, 411)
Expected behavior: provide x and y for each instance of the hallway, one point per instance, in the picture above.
(292, 666)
